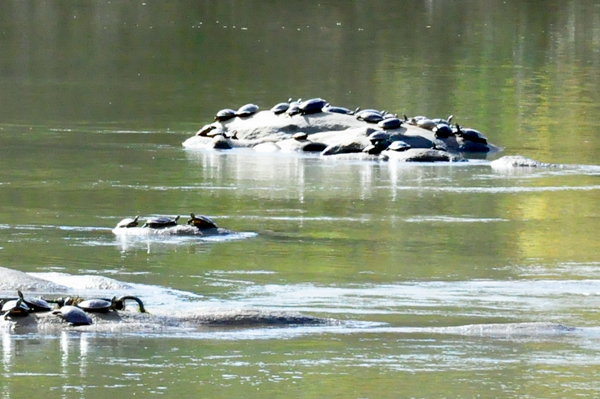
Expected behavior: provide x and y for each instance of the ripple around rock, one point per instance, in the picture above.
(519, 161)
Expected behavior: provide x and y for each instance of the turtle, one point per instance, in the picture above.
(128, 222)
(201, 222)
(96, 305)
(369, 116)
(339, 110)
(216, 132)
(247, 110)
(73, 315)
(390, 123)
(470, 135)
(160, 222)
(225, 114)
(312, 106)
(119, 303)
(425, 123)
(378, 136)
(280, 108)
(300, 136)
(446, 121)
(442, 131)
(35, 304)
(15, 307)
(294, 109)
(398, 145)
(205, 129)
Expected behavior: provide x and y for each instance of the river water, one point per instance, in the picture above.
(96, 98)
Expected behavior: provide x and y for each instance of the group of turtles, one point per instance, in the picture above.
(160, 222)
(72, 309)
(442, 128)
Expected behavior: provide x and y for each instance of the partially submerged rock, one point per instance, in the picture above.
(13, 280)
(329, 132)
(173, 231)
(419, 155)
(519, 161)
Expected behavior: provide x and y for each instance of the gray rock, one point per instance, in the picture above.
(419, 155)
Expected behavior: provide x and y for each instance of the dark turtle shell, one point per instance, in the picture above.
(161, 222)
(247, 110)
(128, 222)
(15, 307)
(294, 109)
(311, 146)
(95, 305)
(201, 222)
(312, 106)
(398, 146)
(471, 135)
(280, 108)
(369, 116)
(378, 136)
(337, 110)
(390, 123)
(35, 304)
(442, 131)
(225, 114)
(373, 149)
(73, 315)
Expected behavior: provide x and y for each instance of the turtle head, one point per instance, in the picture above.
(20, 295)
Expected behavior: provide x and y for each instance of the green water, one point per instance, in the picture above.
(96, 98)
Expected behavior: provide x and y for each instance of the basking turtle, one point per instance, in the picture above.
(339, 110)
(378, 136)
(471, 135)
(96, 305)
(294, 109)
(225, 114)
(398, 146)
(161, 222)
(312, 106)
(73, 315)
(15, 307)
(247, 110)
(281, 107)
(390, 123)
(35, 304)
(201, 222)
(205, 129)
(425, 123)
(369, 116)
(119, 303)
(128, 222)
(442, 131)
(446, 121)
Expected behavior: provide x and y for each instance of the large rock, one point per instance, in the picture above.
(519, 161)
(419, 155)
(338, 132)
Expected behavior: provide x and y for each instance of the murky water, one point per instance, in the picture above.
(97, 97)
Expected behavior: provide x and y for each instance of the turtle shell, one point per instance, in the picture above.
(95, 305)
(300, 136)
(15, 307)
(442, 131)
(225, 114)
(73, 315)
(128, 222)
(369, 116)
(201, 222)
(398, 146)
(280, 108)
(390, 123)
(312, 106)
(471, 135)
(247, 110)
(35, 304)
(426, 123)
(377, 136)
(294, 109)
(161, 222)
(337, 110)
